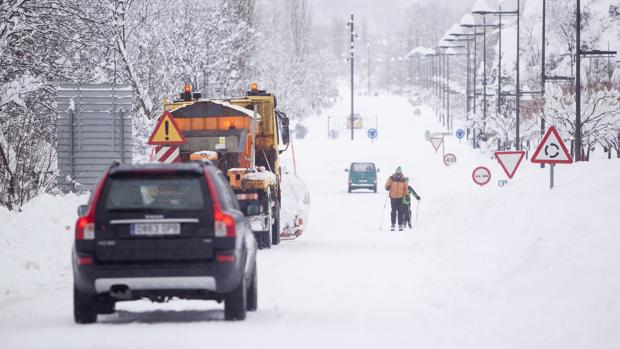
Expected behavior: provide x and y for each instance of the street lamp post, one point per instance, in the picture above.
(449, 51)
(485, 12)
(368, 68)
(484, 26)
(351, 25)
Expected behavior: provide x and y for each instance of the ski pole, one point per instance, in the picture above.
(383, 212)
(417, 207)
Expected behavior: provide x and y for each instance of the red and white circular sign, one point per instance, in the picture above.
(481, 175)
(449, 159)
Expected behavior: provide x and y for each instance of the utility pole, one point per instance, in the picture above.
(543, 68)
(368, 68)
(351, 25)
(499, 66)
(484, 73)
(578, 84)
(518, 87)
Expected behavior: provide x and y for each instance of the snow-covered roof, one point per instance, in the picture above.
(455, 29)
(481, 6)
(422, 51)
(468, 20)
(242, 110)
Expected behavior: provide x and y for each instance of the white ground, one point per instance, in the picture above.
(513, 267)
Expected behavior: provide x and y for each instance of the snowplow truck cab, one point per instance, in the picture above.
(243, 137)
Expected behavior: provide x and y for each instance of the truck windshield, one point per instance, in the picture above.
(155, 194)
(219, 143)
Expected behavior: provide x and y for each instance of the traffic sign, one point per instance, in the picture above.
(449, 159)
(552, 150)
(460, 133)
(333, 134)
(436, 142)
(167, 132)
(481, 175)
(510, 161)
(167, 155)
(372, 133)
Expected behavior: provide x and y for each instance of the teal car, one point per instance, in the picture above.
(362, 175)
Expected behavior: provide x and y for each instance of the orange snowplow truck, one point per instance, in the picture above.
(244, 137)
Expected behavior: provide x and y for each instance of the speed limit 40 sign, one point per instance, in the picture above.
(449, 159)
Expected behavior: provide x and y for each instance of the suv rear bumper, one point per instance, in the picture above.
(204, 283)
(161, 277)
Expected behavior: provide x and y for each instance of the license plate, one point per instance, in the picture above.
(155, 229)
(363, 181)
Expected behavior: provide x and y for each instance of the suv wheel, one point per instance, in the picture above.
(252, 296)
(235, 302)
(84, 307)
(374, 188)
(349, 188)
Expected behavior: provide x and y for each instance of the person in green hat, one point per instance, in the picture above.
(397, 185)
(407, 205)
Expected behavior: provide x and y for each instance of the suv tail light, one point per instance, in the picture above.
(224, 225)
(85, 225)
(85, 228)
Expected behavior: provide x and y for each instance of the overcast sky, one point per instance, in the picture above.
(379, 14)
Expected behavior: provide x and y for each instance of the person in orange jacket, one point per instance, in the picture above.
(398, 187)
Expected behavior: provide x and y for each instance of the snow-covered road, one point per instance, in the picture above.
(483, 268)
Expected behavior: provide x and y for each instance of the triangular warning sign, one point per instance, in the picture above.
(510, 161)
(167, 132)
(436, 142)
(552, 150)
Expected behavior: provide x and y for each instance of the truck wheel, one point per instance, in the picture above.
(235, 302)
(349, 189)
(252, 296)
(275, 231)
(84, 307)
(374, 188)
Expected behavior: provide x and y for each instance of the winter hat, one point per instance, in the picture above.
(399, 170)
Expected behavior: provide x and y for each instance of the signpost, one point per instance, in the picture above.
(167, 137)
(166, 132)
(552, 150)
(449, 159)
(427, 135)
(510, 161)
(167, 155)
(333, 134)
(436, 142)
(372, 133)
(481, 175)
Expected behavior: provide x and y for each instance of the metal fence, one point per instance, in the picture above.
(94, 128)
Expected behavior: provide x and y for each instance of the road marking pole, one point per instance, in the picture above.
(551, 168)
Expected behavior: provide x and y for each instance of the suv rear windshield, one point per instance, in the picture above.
(144, 193)
(363, 167)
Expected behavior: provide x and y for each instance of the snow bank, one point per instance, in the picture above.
(295, 203)
(260, 176)
(35, 245)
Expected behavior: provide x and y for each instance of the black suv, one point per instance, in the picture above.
(161, 231)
